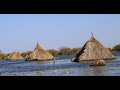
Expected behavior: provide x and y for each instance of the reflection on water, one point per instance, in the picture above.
(45, 62)
(61, 67)
(96, 71)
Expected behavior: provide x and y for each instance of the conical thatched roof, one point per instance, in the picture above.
(27, 56)
(93, 50)
(40, 54)
(15, 56)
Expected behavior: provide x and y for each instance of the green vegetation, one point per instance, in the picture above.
(116, 48)
(110, 49)
(2, 55)
(64, 51)
(60, 51)
(26, 53)
(53, 52)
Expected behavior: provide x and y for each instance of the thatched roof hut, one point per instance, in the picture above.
(27, 56)
(93, 50)
(40, 54)
(14, 56)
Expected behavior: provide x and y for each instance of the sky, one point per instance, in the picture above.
(20, 32)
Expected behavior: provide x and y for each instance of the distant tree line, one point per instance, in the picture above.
(60, 51)
(24, 54)
(3, 55)
(64, 51)
(116, 48)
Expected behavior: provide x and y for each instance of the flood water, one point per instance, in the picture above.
(61, 67)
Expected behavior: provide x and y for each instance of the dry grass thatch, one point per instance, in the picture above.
(14, 56)
(27, 56)
(40, 54)
(93, 50)
(98, 63)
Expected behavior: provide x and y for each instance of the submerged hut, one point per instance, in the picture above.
(14, 56)
(93, 50)
(98, 63)
(40, 54)
(27, 58)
